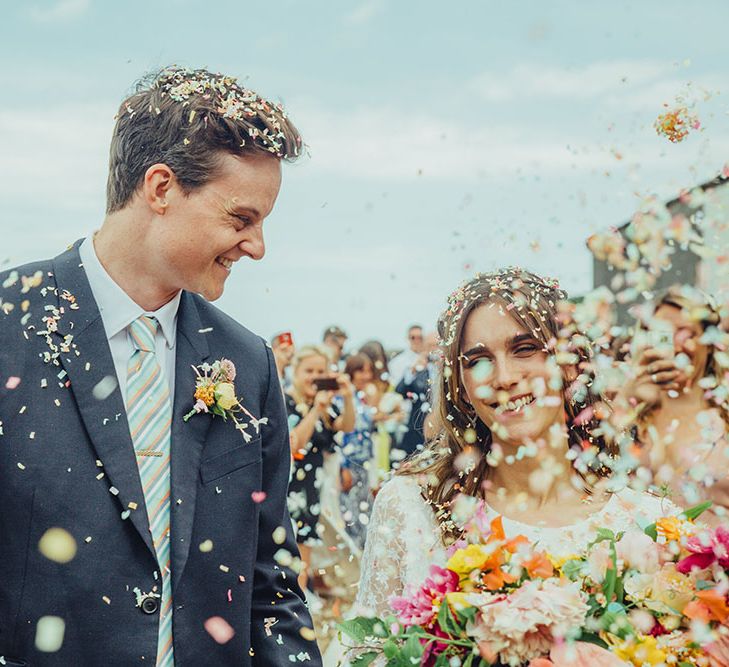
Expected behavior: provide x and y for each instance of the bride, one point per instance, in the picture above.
(517, 427)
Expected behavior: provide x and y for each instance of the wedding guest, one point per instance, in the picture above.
(400, 363)
(284, 350)
(381, 394)
(677, 397)
(314, 422)
(334, 340)
(357, 448)
(508, 435)
(415, 387)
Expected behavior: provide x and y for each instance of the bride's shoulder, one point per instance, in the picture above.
(400, 490)
(644, 505)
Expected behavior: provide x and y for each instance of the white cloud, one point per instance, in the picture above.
(57, 155)
(583, 82)
(60, 10)
(388, 143)
(365, 12)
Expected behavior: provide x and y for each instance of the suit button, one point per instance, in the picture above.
(150, 605)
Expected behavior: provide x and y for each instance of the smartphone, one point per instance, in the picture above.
(326, 384)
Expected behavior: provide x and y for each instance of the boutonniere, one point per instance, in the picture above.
(215, 394)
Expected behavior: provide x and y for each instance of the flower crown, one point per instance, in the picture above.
(504, 281)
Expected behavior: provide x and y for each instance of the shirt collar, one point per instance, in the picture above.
(118, 310)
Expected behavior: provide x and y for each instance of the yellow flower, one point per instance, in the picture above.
(206, 394)
(458, 600)
(225, 395)
(670, 588)
(559, 563)
(640, 652)
(471, 557)
(671, 528)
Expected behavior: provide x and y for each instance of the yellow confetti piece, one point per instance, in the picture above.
(49, 633)
(58, 545)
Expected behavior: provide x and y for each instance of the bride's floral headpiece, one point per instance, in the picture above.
(507, 283)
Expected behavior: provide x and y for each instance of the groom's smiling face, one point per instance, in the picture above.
(203, 234)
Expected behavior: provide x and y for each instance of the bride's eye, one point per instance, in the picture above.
(472, 362)
(526, 349)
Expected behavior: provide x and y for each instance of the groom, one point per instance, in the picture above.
(129, 536)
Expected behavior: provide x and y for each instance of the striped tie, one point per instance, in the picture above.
(149, 411)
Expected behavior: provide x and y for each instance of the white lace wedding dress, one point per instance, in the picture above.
(403, 538)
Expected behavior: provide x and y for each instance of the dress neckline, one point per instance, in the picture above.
(575, 524)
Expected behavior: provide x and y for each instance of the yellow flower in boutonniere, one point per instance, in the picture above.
(215, 394)
(225, 395)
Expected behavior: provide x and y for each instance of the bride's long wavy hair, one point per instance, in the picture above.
(540, 306)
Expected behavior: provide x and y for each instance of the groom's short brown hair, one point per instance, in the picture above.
(185, 119)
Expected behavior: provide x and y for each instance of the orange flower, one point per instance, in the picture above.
(710, 606)
(206, 394)
(539, 566)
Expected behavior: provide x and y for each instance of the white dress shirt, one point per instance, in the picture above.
(118, 311)
(400, 364)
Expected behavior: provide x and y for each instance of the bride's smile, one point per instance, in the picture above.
(507, 377)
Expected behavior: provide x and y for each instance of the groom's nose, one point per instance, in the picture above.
(254, 246)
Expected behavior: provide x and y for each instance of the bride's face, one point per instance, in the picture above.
(507, 377)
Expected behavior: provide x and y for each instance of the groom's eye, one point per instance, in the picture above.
(243, 219)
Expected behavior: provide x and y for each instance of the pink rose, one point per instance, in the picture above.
(420, 606)
(638, 551)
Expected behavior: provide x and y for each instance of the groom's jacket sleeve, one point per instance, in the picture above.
(281, 629)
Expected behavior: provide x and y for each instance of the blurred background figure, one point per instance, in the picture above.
(415, 387)
(400, 363)
(314, 421)
(358, 467)
(676, 397)
(389, 414)
(284, 350)
(334, 339)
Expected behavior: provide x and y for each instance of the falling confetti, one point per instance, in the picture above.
(676, 124)
(58, 545)
(219, 629)
(49, 633)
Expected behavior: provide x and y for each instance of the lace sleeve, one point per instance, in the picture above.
(402, 542)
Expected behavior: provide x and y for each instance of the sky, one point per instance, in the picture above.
(443, 139)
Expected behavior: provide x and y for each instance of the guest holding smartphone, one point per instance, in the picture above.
(314, 422)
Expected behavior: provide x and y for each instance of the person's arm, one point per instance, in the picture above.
(304, 429)
(281, 628)
(345, 422)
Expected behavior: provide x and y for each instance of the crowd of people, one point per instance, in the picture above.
(358, 417)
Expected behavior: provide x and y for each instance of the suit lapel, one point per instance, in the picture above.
(88, 362)
(187, 437)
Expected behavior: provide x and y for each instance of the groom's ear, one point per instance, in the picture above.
(158, 180)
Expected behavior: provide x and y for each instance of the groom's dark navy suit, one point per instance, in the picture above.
(67, 460)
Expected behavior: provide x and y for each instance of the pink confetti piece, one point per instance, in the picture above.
(585, 416)
(13, 382)
(230, 595)
(258, 496)
(219, 629)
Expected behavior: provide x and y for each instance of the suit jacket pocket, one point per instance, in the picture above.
(230, 461)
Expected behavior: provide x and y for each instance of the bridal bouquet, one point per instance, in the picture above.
(656, 596)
